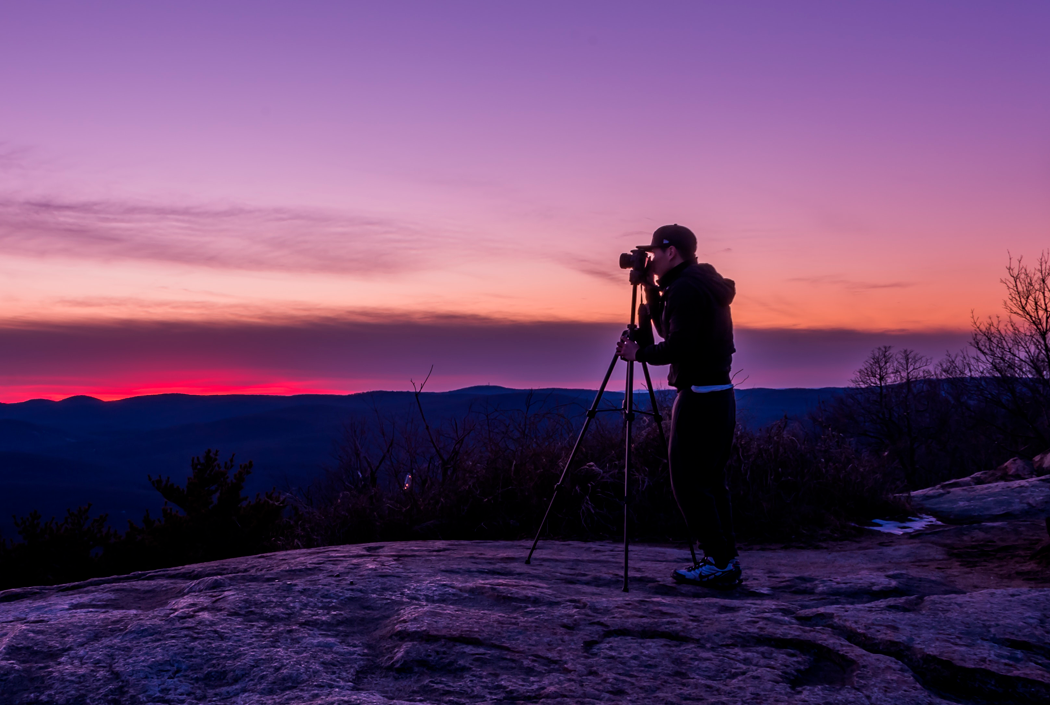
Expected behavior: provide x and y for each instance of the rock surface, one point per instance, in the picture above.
(1010, 471)
(1041, 463)
(998, 501)
(956, 615)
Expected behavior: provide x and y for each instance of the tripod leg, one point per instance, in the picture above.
(628, 407)
(591, 413)
(663, 439)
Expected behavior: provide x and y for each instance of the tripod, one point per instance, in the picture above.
(628, 412)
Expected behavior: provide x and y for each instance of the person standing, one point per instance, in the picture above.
(689, 304)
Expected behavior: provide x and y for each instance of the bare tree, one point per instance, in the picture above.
(448, 445)
(887, 405)
(356, 467)
(1008, 365)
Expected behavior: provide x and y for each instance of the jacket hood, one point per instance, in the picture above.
(723, 290)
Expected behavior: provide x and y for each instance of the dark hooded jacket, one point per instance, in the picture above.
(691, 312)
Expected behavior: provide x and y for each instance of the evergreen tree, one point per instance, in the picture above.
(208, 519)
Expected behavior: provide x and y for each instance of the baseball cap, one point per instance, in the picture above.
(678, 235)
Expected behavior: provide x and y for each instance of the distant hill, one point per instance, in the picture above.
(760, 407)
(58, 455)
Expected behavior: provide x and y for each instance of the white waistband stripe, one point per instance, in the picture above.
(712, 388)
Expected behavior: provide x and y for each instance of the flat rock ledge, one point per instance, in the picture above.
(999, 501)
(956, 615)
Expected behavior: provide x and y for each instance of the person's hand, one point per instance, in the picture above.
(627, 349)
(648, 277)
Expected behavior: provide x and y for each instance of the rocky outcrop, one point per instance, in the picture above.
(1001, 501)
(956, 615)
(1041, 463)
(1016, 490)
(1012, 470)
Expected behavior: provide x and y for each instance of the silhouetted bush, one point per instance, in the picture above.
(490, 475)
(791, 480)
(211, 519)
(55, 551)
(478, 476)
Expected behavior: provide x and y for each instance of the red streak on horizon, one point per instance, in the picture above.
(112, 391)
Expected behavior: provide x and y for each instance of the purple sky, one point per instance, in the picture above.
(273, 170)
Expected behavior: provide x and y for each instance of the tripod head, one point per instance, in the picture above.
(638, 277)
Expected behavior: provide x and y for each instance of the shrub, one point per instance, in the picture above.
(206, 520)
(491, 474)
(791, 482)
(55, 551)
(211, 519)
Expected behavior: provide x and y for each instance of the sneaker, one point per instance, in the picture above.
(707, 573)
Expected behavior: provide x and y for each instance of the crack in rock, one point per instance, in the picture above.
(968, 661)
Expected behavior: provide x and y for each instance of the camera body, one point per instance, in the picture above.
(637, 260)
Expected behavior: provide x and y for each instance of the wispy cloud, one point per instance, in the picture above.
(14, 157)
(230, 237)
(850, 284)
(607, 272)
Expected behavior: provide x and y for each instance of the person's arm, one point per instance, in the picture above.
(643, 334)
(654, 301)
(679, 337)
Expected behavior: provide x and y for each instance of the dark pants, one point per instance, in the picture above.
(702, 427)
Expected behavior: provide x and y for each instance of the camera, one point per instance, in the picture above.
(636, 259)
